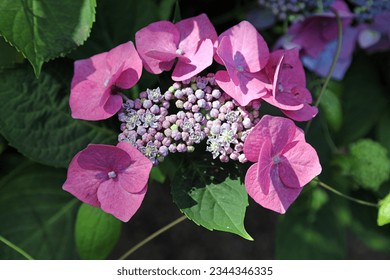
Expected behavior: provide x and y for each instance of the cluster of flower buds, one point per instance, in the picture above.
(200, 111)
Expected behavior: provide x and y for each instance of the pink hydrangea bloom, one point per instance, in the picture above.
(243, 51)
(113, 178)
(289, 92)
(284, 163)
(93, 95)
(191, 41)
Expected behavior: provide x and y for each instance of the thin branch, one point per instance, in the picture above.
(16, 248)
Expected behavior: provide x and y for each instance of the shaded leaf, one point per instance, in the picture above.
(43, 30)
(9, 56)
(363, 100)
(210, 202)
(36, 214)
(96, 232)
(331, 106)
(35, 118)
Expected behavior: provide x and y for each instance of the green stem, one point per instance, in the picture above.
(362, 202)
(16, 248)
(334, 62)
(151, 237)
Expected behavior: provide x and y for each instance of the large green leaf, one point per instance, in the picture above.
(311, 229)
(43, 30)
(36, 214)
(96, 232)
(209, 201)
(35, 118)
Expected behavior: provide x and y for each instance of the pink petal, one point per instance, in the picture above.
(162, 37)
(105, 158)
(194, 30)
(300, 164)
(279, 197)
(199, 61)
(90, 167)
(87, 101)
(87, 69)
(136, 175)
(265, 163)
(248, 48)
(251, 86)
(117, 201)
(125, 60)
(305, 114)
(276, 130)
(82, 183)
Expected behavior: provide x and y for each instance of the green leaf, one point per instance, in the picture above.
(35, 118)
(331, 106)
(96, 232)
(363, 100)
(308, 231)
(384, 211)
(43, 30)
(369, 164)
(3, 144)
(210, 202)
(36, 214)
(9, 56)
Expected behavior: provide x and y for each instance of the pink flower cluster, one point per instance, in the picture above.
(114, 178)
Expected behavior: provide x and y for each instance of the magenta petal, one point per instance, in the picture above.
(249, 89)
(88, 69)
(249, 50)
(82, 183)
(105, 158)
(305, 114)
(87, 100)
(117, 201)
(300, 164)
(194, 30)
(264, 167)
(279, 197)
(200, 60)
(276, 130)
(162, 37)
(124, 58)
(136, 175)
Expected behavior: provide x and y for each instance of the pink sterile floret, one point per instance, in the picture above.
(93, 93)
(289, 92)
(191, 41)
(244, 53)
(113, 178)
(284, 163)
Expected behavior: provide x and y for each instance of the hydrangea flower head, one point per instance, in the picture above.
(191, 41)
(93, 93)
(243, 51)
(289, 92)
(284, 163)
(113, 178)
